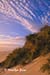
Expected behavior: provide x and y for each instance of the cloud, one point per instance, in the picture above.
(15, 11)
(26, 12)
(9, 40)
(8, 43)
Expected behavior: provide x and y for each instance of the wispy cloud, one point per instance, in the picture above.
(26, 12)
(11, 9)
(6, 40)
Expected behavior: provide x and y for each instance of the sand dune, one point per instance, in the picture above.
(30, 69)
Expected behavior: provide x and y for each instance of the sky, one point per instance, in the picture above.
(19, 18)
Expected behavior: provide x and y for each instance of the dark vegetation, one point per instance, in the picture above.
(36, 44)
(46, 67)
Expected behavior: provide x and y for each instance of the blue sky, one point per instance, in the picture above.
(19, 18)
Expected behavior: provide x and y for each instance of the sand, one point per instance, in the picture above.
(30, 69)
(3, 55)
